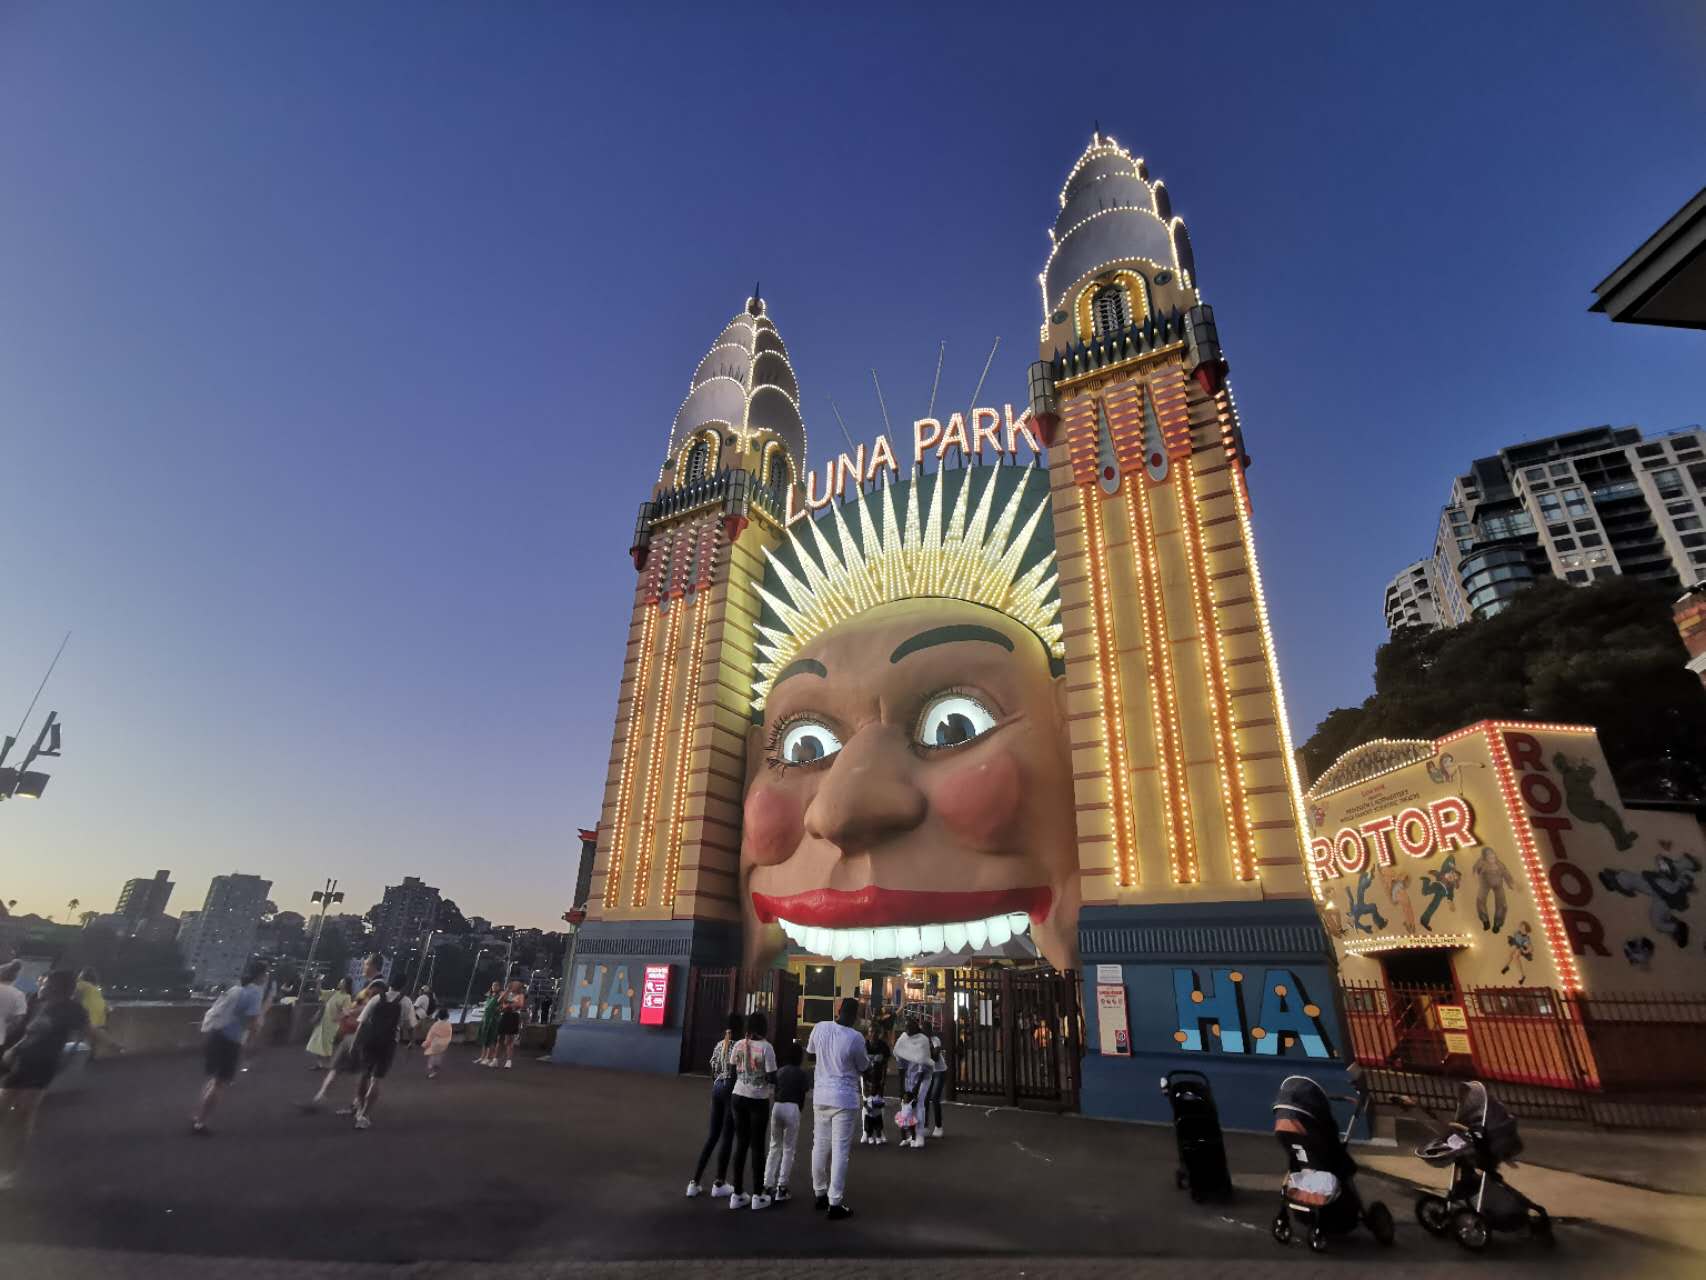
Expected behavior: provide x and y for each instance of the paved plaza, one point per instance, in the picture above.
(560, 1171)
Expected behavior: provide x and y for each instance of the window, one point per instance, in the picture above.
(1535, 473)
(1575, 501)
(1560, 468)
(1592, 540)
(1463, 544)
(698, 459)
(1550, 507)
(1669, 482)
(1649, 450)
(1459, 517)
(1604, 571)
(1110, 311)
(1694, 539)
(1682, 523)
(1576, 575)
(1698, 557)
(1565, 544)
(1584, 526)
(1682, 508)
(1558, 530)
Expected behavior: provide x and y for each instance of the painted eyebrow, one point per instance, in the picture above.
(950, 635)
(803, 667)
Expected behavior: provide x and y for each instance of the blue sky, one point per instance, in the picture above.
(338, 344)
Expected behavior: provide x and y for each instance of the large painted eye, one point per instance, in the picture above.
(806, 742)
(952, 719)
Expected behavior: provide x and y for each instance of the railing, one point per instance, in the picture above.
(1629, 1042)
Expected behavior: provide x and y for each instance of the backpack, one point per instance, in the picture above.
(381, 1025)
(218, 1015)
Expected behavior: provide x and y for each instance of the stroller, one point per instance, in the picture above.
(1478, 1202)
(1320, 1190)
(1196, 1124)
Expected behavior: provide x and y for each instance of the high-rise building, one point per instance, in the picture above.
(141, 899)
(405, 915)
(1588, 504)
(1414, 597)
(217, 941)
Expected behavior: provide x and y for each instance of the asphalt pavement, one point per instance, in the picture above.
(567, 1171)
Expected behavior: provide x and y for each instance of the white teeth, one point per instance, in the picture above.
(905, 941)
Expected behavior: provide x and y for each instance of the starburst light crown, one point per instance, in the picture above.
(967, 558)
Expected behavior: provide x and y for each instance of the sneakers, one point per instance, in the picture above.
(200, 1130)
(864, 1138)
(936, 1132)
(761, 1202)
(883, 1140)
(738, 1201)
(781, 1194)
(362, 1122)
(509, 1064)
(693, 1189)
(721, 1189)
(839, 1211)
(821, 1203)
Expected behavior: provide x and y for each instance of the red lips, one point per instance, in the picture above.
(873, 905)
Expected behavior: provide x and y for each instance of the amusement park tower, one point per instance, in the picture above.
(1194, 885)
(663, 888)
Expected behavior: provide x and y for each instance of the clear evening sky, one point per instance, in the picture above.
(339, 343)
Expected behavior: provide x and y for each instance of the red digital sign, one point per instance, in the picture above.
(654, 995)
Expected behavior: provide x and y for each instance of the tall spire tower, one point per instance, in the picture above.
(663, 886)
(1190, 849)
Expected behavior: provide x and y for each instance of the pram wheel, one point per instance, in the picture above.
(1181, 1179)
(1318, 1240)
(1470, 1229)
(1432, 1213)
(1282, 1226)
(1379, 1220)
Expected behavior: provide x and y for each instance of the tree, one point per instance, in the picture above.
(1606, 655)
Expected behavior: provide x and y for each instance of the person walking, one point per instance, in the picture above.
(512, 1007)
(912, 1050)
(722, 1134)
(754, 1064)
(387, 1016)
(94, 1002)
(28, 1067)
(938, 1084)
(426, 1004)
(224, 1027)
(14, 1005)
(792, 1081)
(488, 1034)
(436, 1041)
(839, 1053)
(326, 1032)
(344, 1061)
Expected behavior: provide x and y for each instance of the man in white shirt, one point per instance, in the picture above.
(840, 1058)
(14, 1004)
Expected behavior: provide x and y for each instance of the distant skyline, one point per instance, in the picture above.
(338, 345)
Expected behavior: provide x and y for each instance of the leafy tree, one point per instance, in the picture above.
(1606, 655)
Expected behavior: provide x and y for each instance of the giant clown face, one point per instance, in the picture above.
(910, 782)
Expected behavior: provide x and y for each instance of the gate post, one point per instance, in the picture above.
(1009, 1042)
(951, 1036)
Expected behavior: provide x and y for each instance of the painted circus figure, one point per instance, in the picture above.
(909, 783)
(1492, 878)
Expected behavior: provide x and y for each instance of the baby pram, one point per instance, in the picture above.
(1196, 1126)
(1320, 1190)
(1482, 1136)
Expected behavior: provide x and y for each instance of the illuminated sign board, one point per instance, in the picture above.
(1418, 830)
(998, 432)
(654, 995)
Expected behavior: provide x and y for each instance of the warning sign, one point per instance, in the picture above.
(1451, 1017)
(1457, 1042)
(1113, 1031)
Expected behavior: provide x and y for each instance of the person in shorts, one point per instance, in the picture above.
(384, 1018)
(28, 1067)
(225, 1027)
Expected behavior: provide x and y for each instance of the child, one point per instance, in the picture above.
(873, 1119)
(792, 1081)
(437, 1041)
(906, 1120)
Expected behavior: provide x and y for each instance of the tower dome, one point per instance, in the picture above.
(744, 388)
(1112, 216)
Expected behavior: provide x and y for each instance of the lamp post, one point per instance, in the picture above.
(24, 783)
(325, 898)
(420, 965)
(468, 995)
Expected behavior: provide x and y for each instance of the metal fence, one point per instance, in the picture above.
(1628, 1042)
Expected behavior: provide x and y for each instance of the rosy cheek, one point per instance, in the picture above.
(979, 802)
(772, 825)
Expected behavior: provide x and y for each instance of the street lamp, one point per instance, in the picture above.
(468, 995)
(24, 783)
(325, 898)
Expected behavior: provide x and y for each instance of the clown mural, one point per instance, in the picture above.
(909, 784)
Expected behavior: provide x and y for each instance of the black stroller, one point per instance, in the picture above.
(1196, 1124)
(1479, 1202)
(1320, 1190)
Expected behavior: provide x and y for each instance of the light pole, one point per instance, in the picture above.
(325, 897)
(23, 782)
(420, 965)
(468, 995)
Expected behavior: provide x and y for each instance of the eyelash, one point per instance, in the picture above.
(776, 762)
(964, 691)
(773, 741)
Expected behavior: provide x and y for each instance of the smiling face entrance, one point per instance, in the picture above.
(910, 791)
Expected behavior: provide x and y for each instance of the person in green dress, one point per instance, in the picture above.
(325, 1037)
(489, 1027)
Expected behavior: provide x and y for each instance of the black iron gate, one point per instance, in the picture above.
(712, 994)
(1017, 1037)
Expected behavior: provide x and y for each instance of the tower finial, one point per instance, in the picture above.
(1098, 131)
